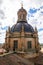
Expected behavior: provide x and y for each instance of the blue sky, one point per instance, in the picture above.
(8, 15)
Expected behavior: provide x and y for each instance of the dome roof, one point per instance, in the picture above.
(18, 27)
(22, 22)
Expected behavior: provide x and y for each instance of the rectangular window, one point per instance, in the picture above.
(15, 44)
(29, 44)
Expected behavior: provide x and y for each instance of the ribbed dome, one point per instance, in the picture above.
(18, 27)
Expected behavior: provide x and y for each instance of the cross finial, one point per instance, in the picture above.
(22, 4)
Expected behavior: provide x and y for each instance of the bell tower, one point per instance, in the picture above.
(22, 14)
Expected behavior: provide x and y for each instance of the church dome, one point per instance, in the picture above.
(22, 22)
(18, 27)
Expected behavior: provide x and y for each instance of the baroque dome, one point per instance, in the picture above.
(18, 27)
(22, 13)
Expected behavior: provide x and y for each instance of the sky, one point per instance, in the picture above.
(8, 15)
